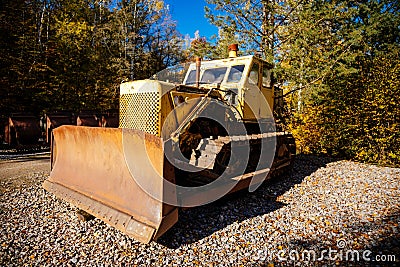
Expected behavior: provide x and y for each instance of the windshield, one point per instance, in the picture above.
(210, 76)
(235, 75)
(213, 75)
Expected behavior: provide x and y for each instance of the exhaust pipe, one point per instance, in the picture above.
(198, 66)
(233, 50)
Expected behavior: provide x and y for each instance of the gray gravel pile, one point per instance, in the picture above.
(324, 213)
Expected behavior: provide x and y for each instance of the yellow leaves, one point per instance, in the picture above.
(76, 28)
(285, 65)
(156, 17)
(318, 82)
(159, 5)
(74, 33)
(248, 5)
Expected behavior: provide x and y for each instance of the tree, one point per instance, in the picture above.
(345, 94)
(148, 37)
(255, 23)
(73, 54)
(223, 40)
(24, 55)
(338, 63)
(199, 47)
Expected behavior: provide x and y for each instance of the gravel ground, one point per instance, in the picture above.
(15, 170)
(334, 210)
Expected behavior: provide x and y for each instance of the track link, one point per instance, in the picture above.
(214, 156)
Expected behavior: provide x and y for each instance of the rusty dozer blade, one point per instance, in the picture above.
(91, 171)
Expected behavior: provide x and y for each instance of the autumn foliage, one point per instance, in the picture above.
(337, 61)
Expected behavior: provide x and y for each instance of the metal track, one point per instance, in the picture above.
(212, 156)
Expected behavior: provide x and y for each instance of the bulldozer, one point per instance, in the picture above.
(179, 144)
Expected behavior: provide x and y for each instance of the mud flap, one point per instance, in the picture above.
(92, 171)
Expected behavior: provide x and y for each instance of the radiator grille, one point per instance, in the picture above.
(140, 111)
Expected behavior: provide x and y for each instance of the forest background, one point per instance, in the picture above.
(337, 61)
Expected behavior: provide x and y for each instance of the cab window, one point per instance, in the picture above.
(235, 74)
(191, 79)
(215, 75)
(266, 79)
(253, 75)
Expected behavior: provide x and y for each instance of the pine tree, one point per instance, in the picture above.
(326, 55)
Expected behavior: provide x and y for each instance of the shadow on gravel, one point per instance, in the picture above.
(197, 223)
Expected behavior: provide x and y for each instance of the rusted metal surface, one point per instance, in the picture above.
(54, 120)
(90, 120)
(198, 68)
(233, 50)
(22, 130)
(91, 171)
(119, 176)
(7, 137)
(210, 165)
(111, 121)
(110, 118)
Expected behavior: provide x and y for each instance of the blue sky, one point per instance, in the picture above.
(189, 15)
